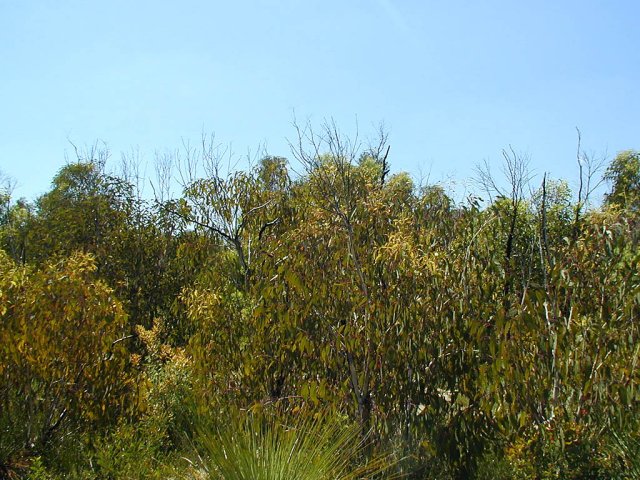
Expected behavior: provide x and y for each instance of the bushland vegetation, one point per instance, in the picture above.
(320, 318)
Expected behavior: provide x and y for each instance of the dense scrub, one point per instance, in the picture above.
(489, 338)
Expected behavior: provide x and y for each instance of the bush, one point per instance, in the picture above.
(253, 447)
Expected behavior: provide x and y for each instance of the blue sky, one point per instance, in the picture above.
(454, 81)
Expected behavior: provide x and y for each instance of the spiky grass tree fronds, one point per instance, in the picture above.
(258, 448)
(627, 447)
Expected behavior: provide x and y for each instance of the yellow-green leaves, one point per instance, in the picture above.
(62, 346)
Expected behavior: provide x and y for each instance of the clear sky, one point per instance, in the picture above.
(454, 81)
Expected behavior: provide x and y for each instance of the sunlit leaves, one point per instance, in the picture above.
(62, 347)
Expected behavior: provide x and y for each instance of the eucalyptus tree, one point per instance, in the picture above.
(624, 175)
(63, 355)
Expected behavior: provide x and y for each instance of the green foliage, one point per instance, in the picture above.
(624, 175)
(132, 451)
(262, 448)
(168, 385)
(474, 340)
(626, 445)
(62, 354)
(576, 453)
(37, 471)
(83, 211)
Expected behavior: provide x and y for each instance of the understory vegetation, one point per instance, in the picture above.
(336, 322)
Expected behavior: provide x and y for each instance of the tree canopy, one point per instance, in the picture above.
(473, 339)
